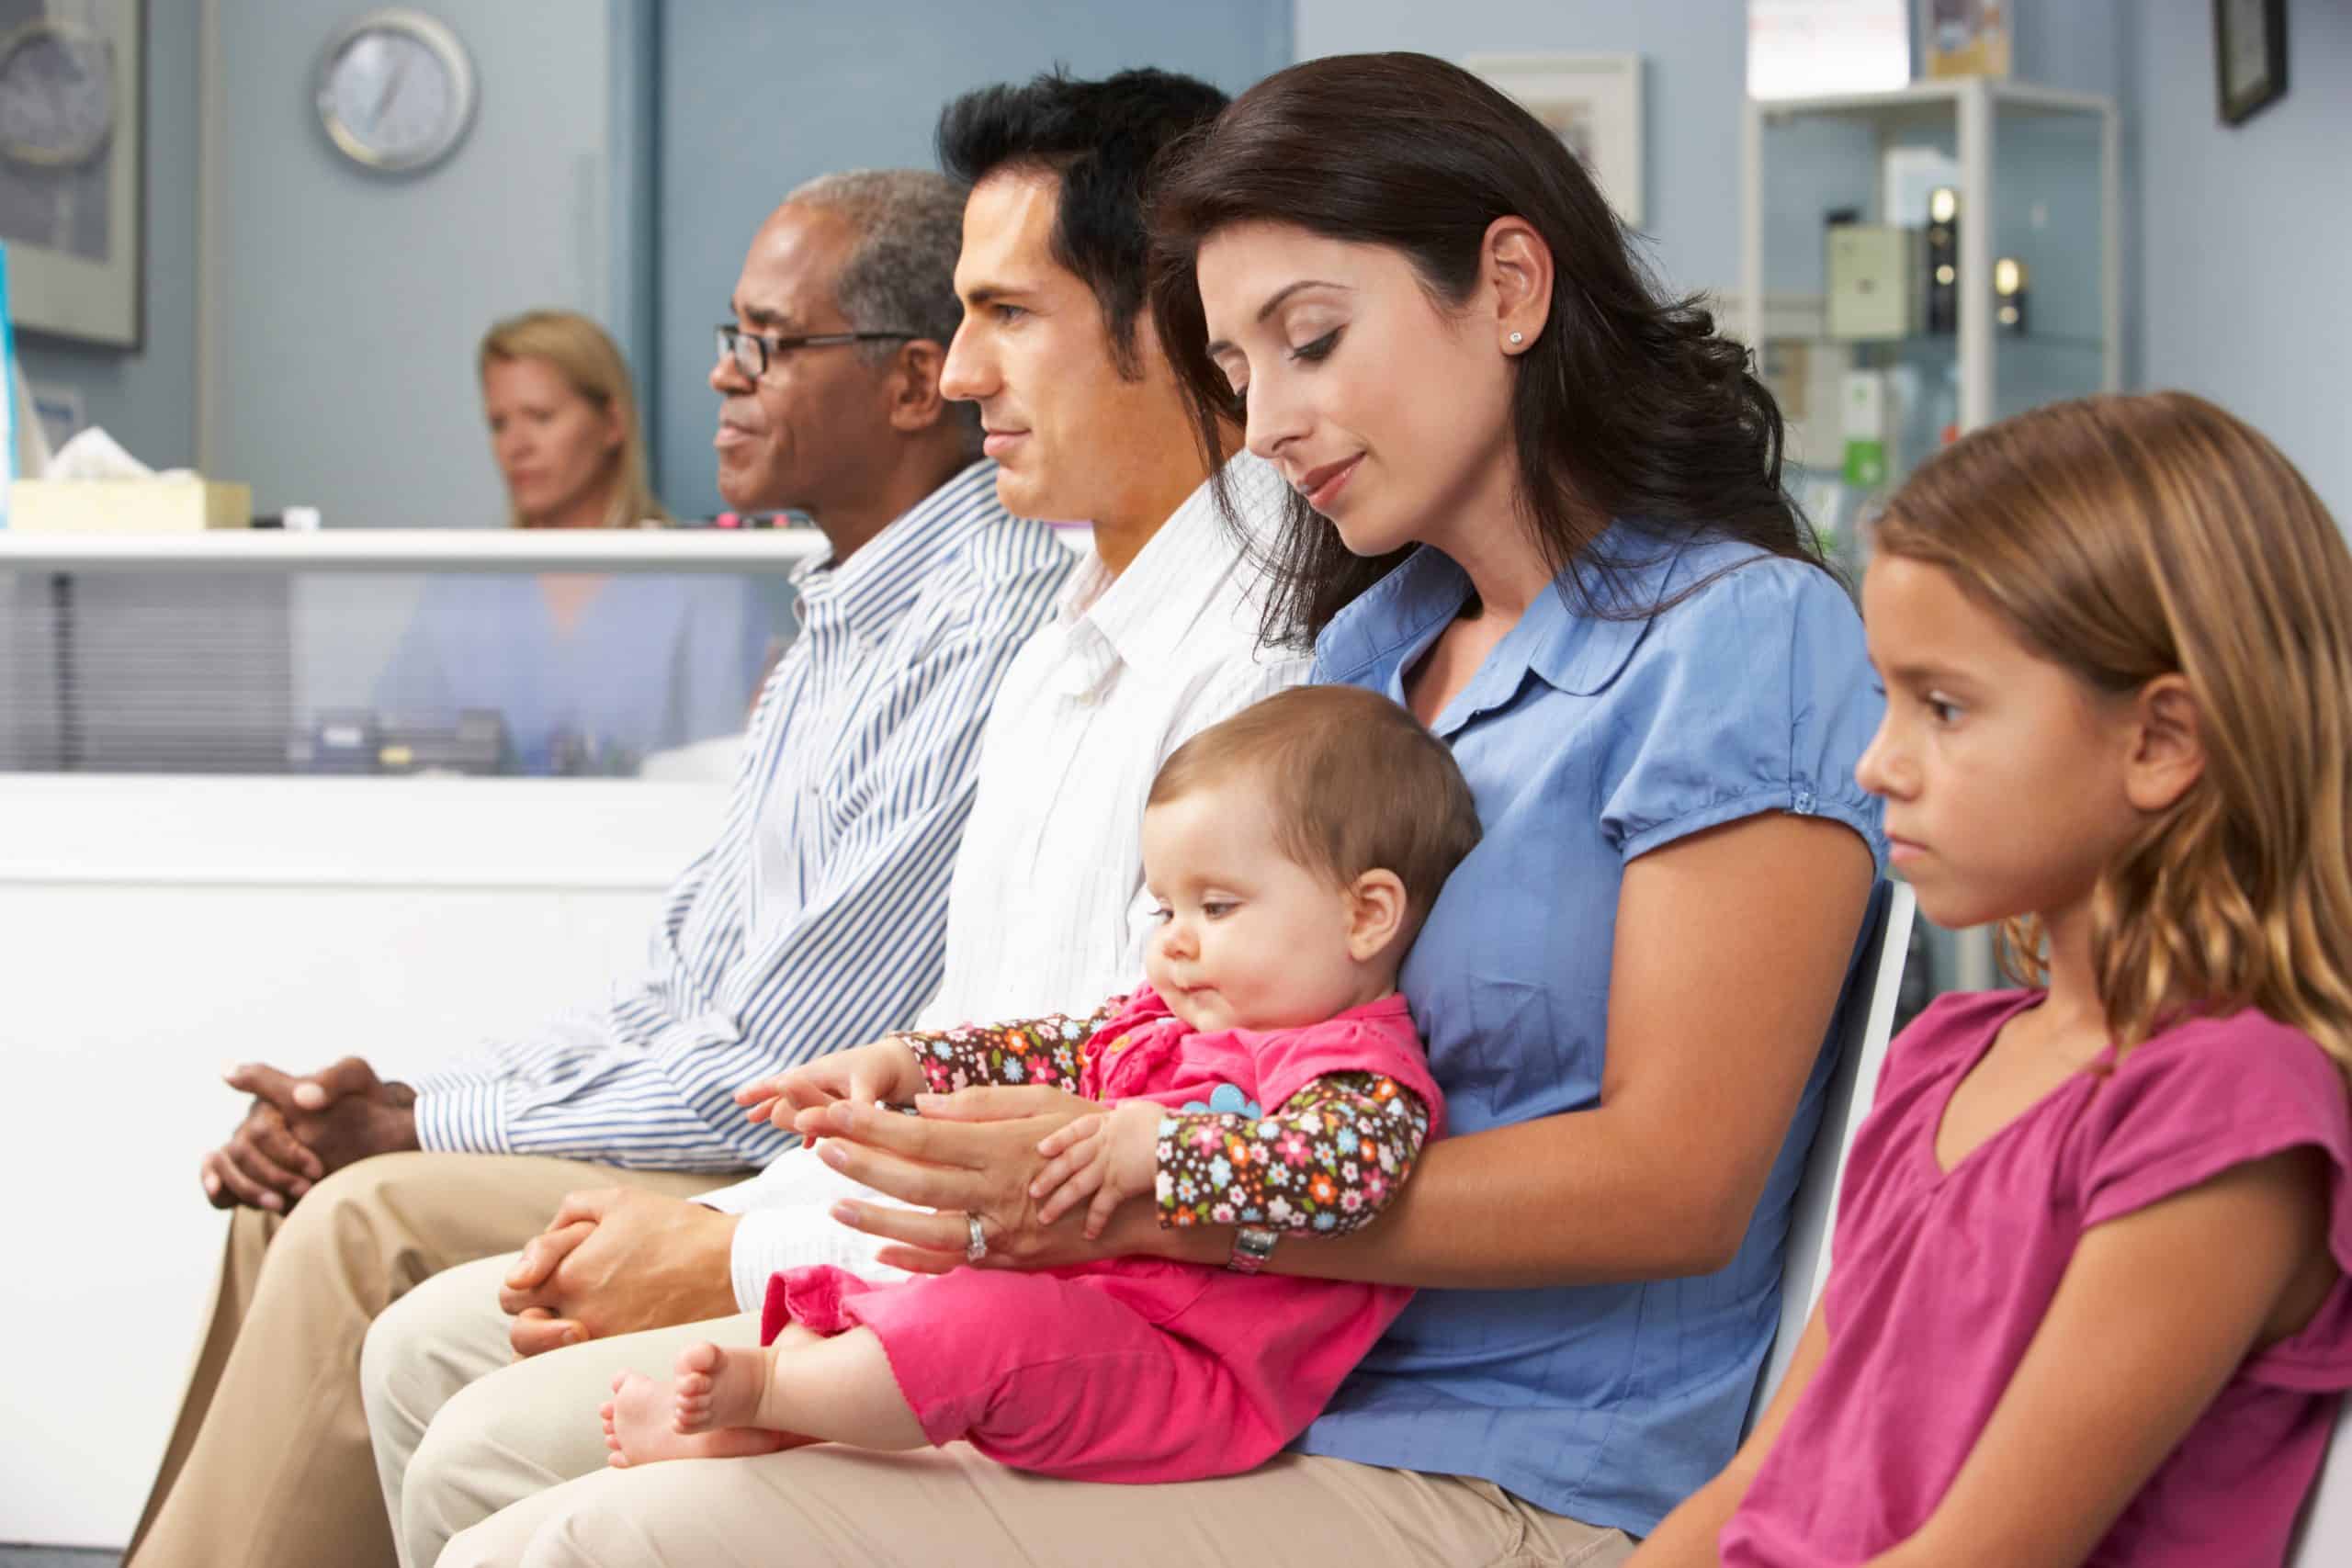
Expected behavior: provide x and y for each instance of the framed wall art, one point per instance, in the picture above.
(1964, 37)
(2249, 55)
(72, 88)
(1593, 102)
(1806, 49)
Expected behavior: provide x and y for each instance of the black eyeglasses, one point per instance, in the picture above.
(753, 354)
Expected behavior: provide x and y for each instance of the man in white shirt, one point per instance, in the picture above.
(1155, 639)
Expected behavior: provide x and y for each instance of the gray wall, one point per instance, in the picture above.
(148, 398)
(756, 97)
(1695, 73)
(2243, 234)
(715, 108)
(346, 307)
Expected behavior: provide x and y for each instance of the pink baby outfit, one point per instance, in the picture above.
(1138, 1370)
(1939, 1281)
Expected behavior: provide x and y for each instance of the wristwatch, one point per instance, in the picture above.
(1252, 1245)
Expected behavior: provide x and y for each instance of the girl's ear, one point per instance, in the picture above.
(2168, 744)
(1376, 903)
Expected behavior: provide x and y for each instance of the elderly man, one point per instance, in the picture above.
(1154, 641)
(813, 921)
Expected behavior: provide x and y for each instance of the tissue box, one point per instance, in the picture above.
(127, 506)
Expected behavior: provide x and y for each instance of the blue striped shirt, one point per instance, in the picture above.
(817, 918)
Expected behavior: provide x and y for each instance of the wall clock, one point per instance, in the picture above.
(396, 91)
(57, 94)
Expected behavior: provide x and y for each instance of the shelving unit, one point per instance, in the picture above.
(2038, 179)
(2052, 146)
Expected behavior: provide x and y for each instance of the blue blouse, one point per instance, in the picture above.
(654, 661)
(1587, 742)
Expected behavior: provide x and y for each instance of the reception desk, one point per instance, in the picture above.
(160, 925)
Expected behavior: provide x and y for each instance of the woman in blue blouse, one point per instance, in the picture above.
(1539, 505)
(590, 673)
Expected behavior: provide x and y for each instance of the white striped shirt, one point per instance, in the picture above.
(816, 920)
(1047, 912)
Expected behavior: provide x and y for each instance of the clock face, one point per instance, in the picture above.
(57, 95)
(395, 92)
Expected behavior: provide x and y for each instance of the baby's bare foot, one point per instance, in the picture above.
(639, 1429)
(719, 1388)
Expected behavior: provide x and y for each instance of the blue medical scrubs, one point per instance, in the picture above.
(650, 663)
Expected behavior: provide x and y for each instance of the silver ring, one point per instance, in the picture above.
(977, 1248)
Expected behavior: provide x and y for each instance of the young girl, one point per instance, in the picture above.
(2088, 1301)
(1267, 1074)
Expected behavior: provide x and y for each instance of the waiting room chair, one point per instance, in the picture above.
(2324, 1537)
(1868, 1024)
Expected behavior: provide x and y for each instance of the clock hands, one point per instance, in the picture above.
(391, 87)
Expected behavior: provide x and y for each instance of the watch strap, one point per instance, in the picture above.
(1252, 1245)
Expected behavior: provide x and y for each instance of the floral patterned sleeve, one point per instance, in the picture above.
(1323, 1163)
(1038, 1050)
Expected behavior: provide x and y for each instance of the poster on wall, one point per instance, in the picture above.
(1593, 102)
(1964, 38)
(1805, 49)
(70, 85)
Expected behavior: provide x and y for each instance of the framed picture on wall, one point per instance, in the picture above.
(72, 87)
(2249, 54)
(1964, 37)
(1593, 102)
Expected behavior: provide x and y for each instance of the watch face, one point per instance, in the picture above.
(393, 96)
(57, 95)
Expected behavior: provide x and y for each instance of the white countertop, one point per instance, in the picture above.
(432, 549)
(420, 549)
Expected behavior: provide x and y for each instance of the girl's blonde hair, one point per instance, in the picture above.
(591, 365)
(2129, 537)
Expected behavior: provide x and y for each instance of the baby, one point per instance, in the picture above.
(1267, 1077)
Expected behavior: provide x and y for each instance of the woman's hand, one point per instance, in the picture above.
(883, 1069)
(970, 1153)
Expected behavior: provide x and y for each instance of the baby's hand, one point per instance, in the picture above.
(886, 1070)
(1109, 1156)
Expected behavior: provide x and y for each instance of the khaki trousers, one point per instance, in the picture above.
(268, 1464)
(461, 1429)
(838, 1506)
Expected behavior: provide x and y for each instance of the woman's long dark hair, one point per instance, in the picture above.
(1628, 405)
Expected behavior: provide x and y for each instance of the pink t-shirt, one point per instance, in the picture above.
(1939, 1281)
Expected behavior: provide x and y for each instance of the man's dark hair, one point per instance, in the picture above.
(1101, 139)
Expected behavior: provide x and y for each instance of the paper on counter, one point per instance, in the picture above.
(93, 454)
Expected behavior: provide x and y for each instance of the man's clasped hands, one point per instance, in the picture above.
(619, 1259)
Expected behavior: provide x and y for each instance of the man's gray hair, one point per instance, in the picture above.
(900, 275)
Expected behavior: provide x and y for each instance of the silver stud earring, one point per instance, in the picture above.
(1519, 337)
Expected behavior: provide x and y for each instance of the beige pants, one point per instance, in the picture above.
(268, 1464)
(838, 1506)
(461, 1429)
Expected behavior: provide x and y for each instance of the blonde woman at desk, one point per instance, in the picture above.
(589, 672)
